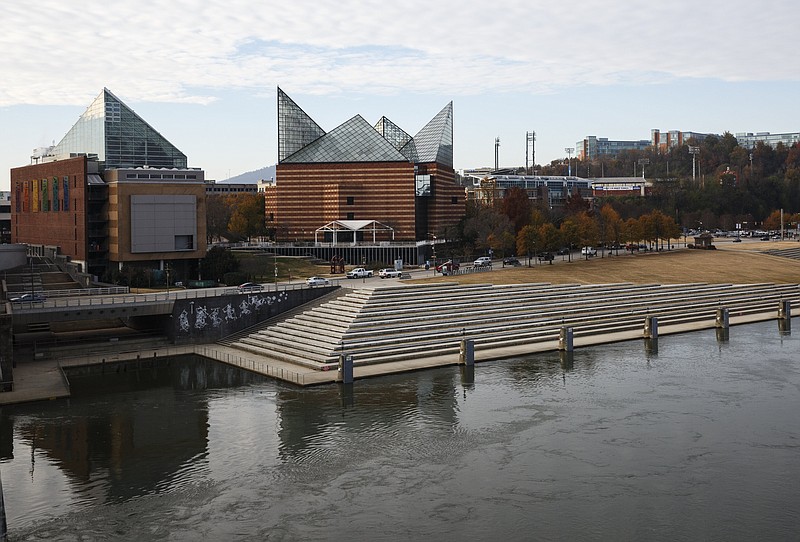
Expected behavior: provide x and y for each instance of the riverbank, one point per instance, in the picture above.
(733, 264)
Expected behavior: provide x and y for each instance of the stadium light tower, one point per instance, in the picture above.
(569, 151)
(694, 151)
(643, 162)
(530, 143)
(496, 153)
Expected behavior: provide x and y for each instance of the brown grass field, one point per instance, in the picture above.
(731, 263)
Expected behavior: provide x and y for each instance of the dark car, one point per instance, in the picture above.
(546, 257)
(35, 297)
(563, 251)
(511, 261)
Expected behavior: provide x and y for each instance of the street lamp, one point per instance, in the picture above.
(569, 151)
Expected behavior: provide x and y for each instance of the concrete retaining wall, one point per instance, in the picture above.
(208, 320)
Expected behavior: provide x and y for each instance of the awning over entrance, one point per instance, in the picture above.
(352, 226)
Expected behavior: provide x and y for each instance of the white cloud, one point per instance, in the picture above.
(183, 51)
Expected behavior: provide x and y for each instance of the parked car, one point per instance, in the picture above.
(511, 261)
(447, 267)
(588, 251)
(483, 261)
(563, 251)
(317, 281)
(546, 257)
(389, 273)
(35, 297)
(249, 287)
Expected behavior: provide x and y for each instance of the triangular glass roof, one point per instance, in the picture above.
(301, 140)
(434, 143)
(119, 137)
(354, 141)
(295, 128)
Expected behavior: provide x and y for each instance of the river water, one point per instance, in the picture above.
(698, 439)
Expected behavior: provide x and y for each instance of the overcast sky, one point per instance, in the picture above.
(204, 73)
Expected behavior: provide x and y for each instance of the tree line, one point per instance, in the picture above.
(729, 184)
(513, 225)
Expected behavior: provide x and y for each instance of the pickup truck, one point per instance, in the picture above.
(359, 273)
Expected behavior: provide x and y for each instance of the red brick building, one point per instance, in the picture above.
(359, 172)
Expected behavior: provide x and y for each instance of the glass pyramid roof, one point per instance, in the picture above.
(119, 137)
(434, 143)
(301, 140)
(354, 141)
(295, 128)
(392, 133)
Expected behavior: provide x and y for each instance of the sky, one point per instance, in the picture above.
(204, 73)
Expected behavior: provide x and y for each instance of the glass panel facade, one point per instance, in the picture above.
(119, 137)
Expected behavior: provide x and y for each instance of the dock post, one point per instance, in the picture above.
(565, 339)
(567, 360)
(346, 368)
(467, 353)
(785, 310)
(651, 327)
(723, 320)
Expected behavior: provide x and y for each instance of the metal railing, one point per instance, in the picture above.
(107, 296)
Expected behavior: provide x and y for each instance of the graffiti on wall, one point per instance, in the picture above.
(201, 316)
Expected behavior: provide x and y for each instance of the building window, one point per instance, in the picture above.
(351, 200)
(351, 216)
(454, 200)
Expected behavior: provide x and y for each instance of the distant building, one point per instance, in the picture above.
(551, 191)
(749, 140)
(664, 141)
(214, 188)
(112, 192)
(593, 147)
(5, 217)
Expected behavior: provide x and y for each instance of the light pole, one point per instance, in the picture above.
(569, 151)
(694, 151)
(643, 162)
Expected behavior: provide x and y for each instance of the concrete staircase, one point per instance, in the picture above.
(393, 324)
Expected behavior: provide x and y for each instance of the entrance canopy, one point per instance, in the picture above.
(352, 226)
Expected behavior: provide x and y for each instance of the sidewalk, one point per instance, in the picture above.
(35, 381)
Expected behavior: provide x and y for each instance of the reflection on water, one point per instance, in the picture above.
(688, 437)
